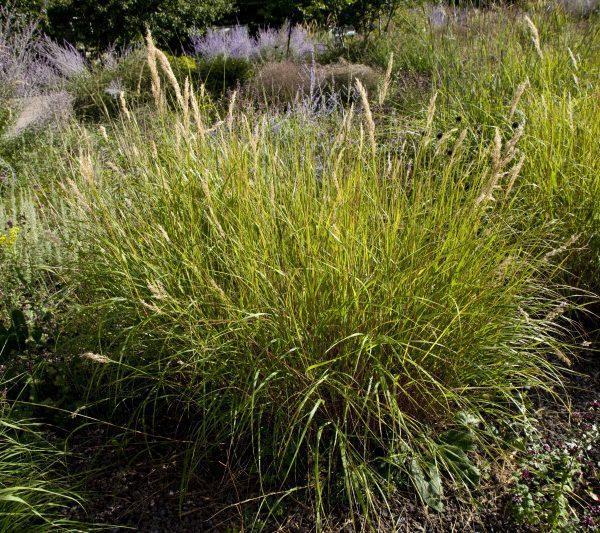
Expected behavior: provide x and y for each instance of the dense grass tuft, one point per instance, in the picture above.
(335, 313)
(339, 298)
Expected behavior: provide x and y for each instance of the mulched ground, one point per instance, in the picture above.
(142, 492)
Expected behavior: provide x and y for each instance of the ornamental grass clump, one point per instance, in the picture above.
(343, 317)
(536, 73)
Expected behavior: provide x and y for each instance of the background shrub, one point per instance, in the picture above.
(96, 94)
(341, 77)
(100, 25)
(280, 82)
(221, 74)
(286, 81)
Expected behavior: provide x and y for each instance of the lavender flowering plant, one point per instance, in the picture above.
(64, 58)
(268, 44)
(17, 58)
(32, 64)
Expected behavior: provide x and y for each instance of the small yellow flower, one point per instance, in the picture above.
(8, 239)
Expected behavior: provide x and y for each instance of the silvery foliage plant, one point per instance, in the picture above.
(18, 66)
(34, 73)
(269, 43)
(582, 8)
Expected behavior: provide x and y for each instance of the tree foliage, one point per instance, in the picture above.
(33, 9)
(362, 14)
(100, 24)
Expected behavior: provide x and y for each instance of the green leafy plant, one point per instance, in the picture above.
(544, 487)
(14, 336)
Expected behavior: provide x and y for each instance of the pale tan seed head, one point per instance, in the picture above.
(535, 36)
(154, 76)
(86, 167)
(197, 115)
(487, 194)
(514, 174)
(563, 248)
(370, 123)
(186, 103)
(157, 290)
(557, 312)
(497, 150)
(430, 115)
(510, 149)
(573, 59)
(166, 67)
(230, 110)
(385, 86)
(561, 355)
(95, 357)
(103, 132)
(517, 97)
(123, 105)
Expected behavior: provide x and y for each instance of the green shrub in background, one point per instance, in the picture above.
(96, 94)
(364, 15)
(32, 9)
(98, 25)
(221, 74)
